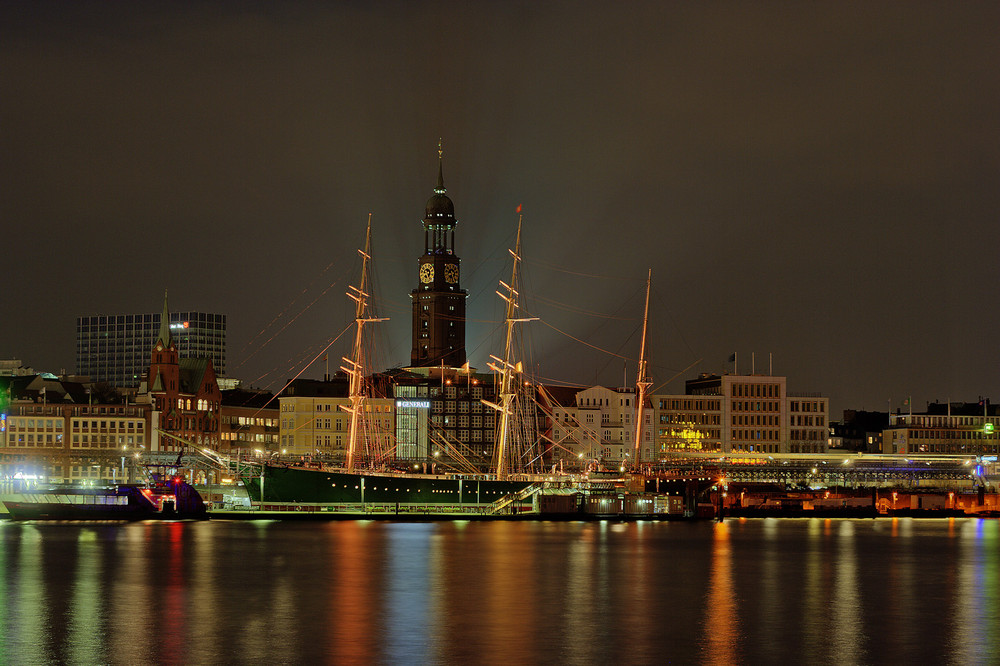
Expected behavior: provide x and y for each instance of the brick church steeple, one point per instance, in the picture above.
(164, 367)
(184, 393)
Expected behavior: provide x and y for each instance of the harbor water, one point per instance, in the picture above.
(750, 591)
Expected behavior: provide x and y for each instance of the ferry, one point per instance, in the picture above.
(167, 498)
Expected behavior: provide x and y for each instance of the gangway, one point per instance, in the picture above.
(507, 501)
(551, 488)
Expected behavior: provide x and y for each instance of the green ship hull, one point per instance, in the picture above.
(314, 486)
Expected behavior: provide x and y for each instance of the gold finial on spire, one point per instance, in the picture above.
(440, 184)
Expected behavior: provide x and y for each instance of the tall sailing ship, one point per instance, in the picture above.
(439, 341)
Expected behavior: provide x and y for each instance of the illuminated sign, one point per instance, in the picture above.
(988, 427)
(413, 404)
(3, 423)
(181, 325)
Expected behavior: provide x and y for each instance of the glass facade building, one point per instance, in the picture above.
(116, 348)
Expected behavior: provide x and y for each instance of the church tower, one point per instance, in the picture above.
(185, 394)
(439, 300)
(164, 367)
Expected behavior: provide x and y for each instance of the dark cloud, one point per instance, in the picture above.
(817, 181)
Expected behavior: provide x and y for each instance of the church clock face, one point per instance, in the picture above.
(426, 273)
(451, 273)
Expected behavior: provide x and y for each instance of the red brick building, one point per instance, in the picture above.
(184, 394)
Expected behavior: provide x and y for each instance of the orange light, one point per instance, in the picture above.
(185, 324)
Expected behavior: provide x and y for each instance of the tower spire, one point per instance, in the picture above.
(164, 336)
(439, 300)
(440, 189)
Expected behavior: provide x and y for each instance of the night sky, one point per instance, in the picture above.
(815, 181)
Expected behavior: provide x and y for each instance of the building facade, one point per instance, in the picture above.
(733, 413)
(688, 423)
(859, 430)
(441, 416)
(971, 429)
(318, 427)
(55, 433)
(598, 425)
(808, 423)
(14, 368)
(249, 422)
(115, 348)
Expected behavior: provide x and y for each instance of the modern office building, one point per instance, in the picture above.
(115, 348)
(742, 414)
(440, 414)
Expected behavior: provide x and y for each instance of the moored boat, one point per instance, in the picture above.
(172, 499)
(318, 486)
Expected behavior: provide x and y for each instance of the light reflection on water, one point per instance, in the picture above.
(743, 591)
(84, 642)
(848, 630)
(721, 629)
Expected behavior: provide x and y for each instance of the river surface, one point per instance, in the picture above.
(757, 591)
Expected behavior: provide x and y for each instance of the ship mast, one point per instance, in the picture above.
(642, 382)
(355, 365)
(509, 370)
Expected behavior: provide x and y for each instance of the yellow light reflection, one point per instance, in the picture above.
(130, 596)
(814, 596)
(721, 630)
(354, 614)
(848, 644)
